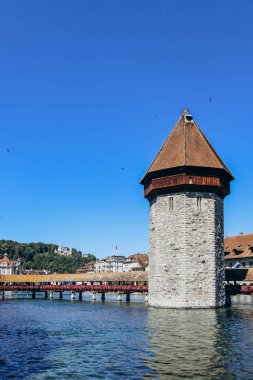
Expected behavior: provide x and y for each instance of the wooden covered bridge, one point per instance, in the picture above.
(102, 283)
(97, 283)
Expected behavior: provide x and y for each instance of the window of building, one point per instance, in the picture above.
(230, 265)
(170, 203)
(250, 263)
(243, 264)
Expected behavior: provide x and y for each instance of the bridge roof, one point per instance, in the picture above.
(79, 277)
(230, 275)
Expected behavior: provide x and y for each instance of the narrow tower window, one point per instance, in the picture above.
(199, 202)
(170, 203)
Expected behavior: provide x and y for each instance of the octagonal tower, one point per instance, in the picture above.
(185, 185)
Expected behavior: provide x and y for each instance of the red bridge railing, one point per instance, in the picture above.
(77, 288)
(230, 289)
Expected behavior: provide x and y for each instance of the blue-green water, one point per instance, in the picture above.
(52, 339)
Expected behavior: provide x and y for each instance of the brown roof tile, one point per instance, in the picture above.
(141, 258)
(186, 146)
(6, 260)
(239, 246)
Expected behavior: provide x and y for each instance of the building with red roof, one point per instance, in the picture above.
(8, 266)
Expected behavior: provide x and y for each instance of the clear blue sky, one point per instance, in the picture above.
(89, 87)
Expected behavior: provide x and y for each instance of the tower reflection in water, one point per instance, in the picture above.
(201, 344)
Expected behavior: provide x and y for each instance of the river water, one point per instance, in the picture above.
(60, 339)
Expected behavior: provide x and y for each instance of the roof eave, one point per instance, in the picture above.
(186, 167)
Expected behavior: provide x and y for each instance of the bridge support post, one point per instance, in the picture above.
(51, 294)
(60, 295)
(119, 298)
(3, 295)
(72, 295)
(94, 296)
(27, 294)
(33, 294)
(80, 296)
(46, 295)
(146, 297)
(228, 300)
(103, 296)
(127, 297)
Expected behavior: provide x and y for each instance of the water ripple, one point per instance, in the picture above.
(48, 340)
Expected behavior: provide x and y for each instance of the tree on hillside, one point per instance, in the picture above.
(42, 256)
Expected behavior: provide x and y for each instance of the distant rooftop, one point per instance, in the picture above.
(239, 246)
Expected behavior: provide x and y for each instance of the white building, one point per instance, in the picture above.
(137, 262)
(8, 266)
(114, 264)
(61, 250)
(111, 264)
(102, 266)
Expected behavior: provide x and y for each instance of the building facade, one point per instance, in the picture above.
(111, 264)
(115, 264)
(186, 185)
(135, 263)
(8, 266)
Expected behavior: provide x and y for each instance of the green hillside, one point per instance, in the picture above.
(43, 256)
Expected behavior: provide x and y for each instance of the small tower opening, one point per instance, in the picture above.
(187, 116)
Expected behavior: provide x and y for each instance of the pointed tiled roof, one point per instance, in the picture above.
(186, 146)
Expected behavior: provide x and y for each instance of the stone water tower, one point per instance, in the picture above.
(185, 185)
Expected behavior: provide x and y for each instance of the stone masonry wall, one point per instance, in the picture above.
(186, 266)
